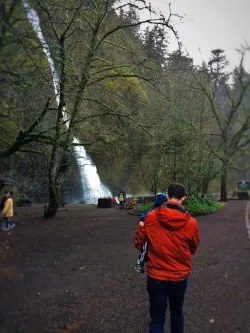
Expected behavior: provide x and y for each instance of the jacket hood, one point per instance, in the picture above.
(172, 218)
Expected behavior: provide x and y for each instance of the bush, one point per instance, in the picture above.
(143, 208)
(194, 204)
(197, 205)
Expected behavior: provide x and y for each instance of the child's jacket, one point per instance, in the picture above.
(8, 208)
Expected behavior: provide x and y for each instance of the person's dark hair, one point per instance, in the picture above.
(176, 191)
(10, 192)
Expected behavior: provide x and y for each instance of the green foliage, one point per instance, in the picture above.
(194, 204)
(143, 208)
(129, 81)
(155, 43)
(197, 205)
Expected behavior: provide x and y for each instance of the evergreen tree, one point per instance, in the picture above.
(155, 43)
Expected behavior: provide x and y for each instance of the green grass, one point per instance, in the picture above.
(194, 204)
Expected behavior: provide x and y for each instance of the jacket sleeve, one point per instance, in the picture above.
(140, 238)
(144, 215)
(6, 207)
(195, 237)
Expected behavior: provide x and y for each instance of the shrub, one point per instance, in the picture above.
(143, 208)
(197, 205)
(194, 204)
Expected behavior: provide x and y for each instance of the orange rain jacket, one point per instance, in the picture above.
(173, 237)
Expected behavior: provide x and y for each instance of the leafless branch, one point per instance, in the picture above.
(111, 112)
(118, 75)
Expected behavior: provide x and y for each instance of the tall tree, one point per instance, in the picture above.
(227, 106)
(155, 43)
(100, 29)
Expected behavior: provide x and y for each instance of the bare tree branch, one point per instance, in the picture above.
(111, 112)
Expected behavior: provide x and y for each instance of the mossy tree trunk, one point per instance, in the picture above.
(223, 180)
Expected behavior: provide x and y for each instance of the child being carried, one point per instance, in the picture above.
(160, 200)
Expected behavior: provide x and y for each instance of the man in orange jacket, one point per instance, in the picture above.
(173, 237)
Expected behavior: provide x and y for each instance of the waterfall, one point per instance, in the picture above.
(92, 186)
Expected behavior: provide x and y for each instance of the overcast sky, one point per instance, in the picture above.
(210, 24)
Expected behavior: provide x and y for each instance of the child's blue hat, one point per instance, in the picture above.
(160, 199)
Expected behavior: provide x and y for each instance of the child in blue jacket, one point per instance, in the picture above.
(160, 200)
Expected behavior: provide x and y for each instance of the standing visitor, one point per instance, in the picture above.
(7, 212)
(173, 237)
(121, 198)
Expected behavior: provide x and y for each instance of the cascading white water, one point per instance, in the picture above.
(91, 183)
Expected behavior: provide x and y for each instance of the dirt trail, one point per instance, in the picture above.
(76, 274)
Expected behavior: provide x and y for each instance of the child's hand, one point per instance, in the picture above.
(141, 224)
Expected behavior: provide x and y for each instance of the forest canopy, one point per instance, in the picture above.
(145, 115)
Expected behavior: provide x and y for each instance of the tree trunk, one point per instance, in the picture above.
(205, 186)
(224, 177)
(54, 198)
(57, 172)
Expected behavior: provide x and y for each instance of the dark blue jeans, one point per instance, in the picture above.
(160, 292)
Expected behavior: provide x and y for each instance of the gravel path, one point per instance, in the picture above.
(76, 274)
